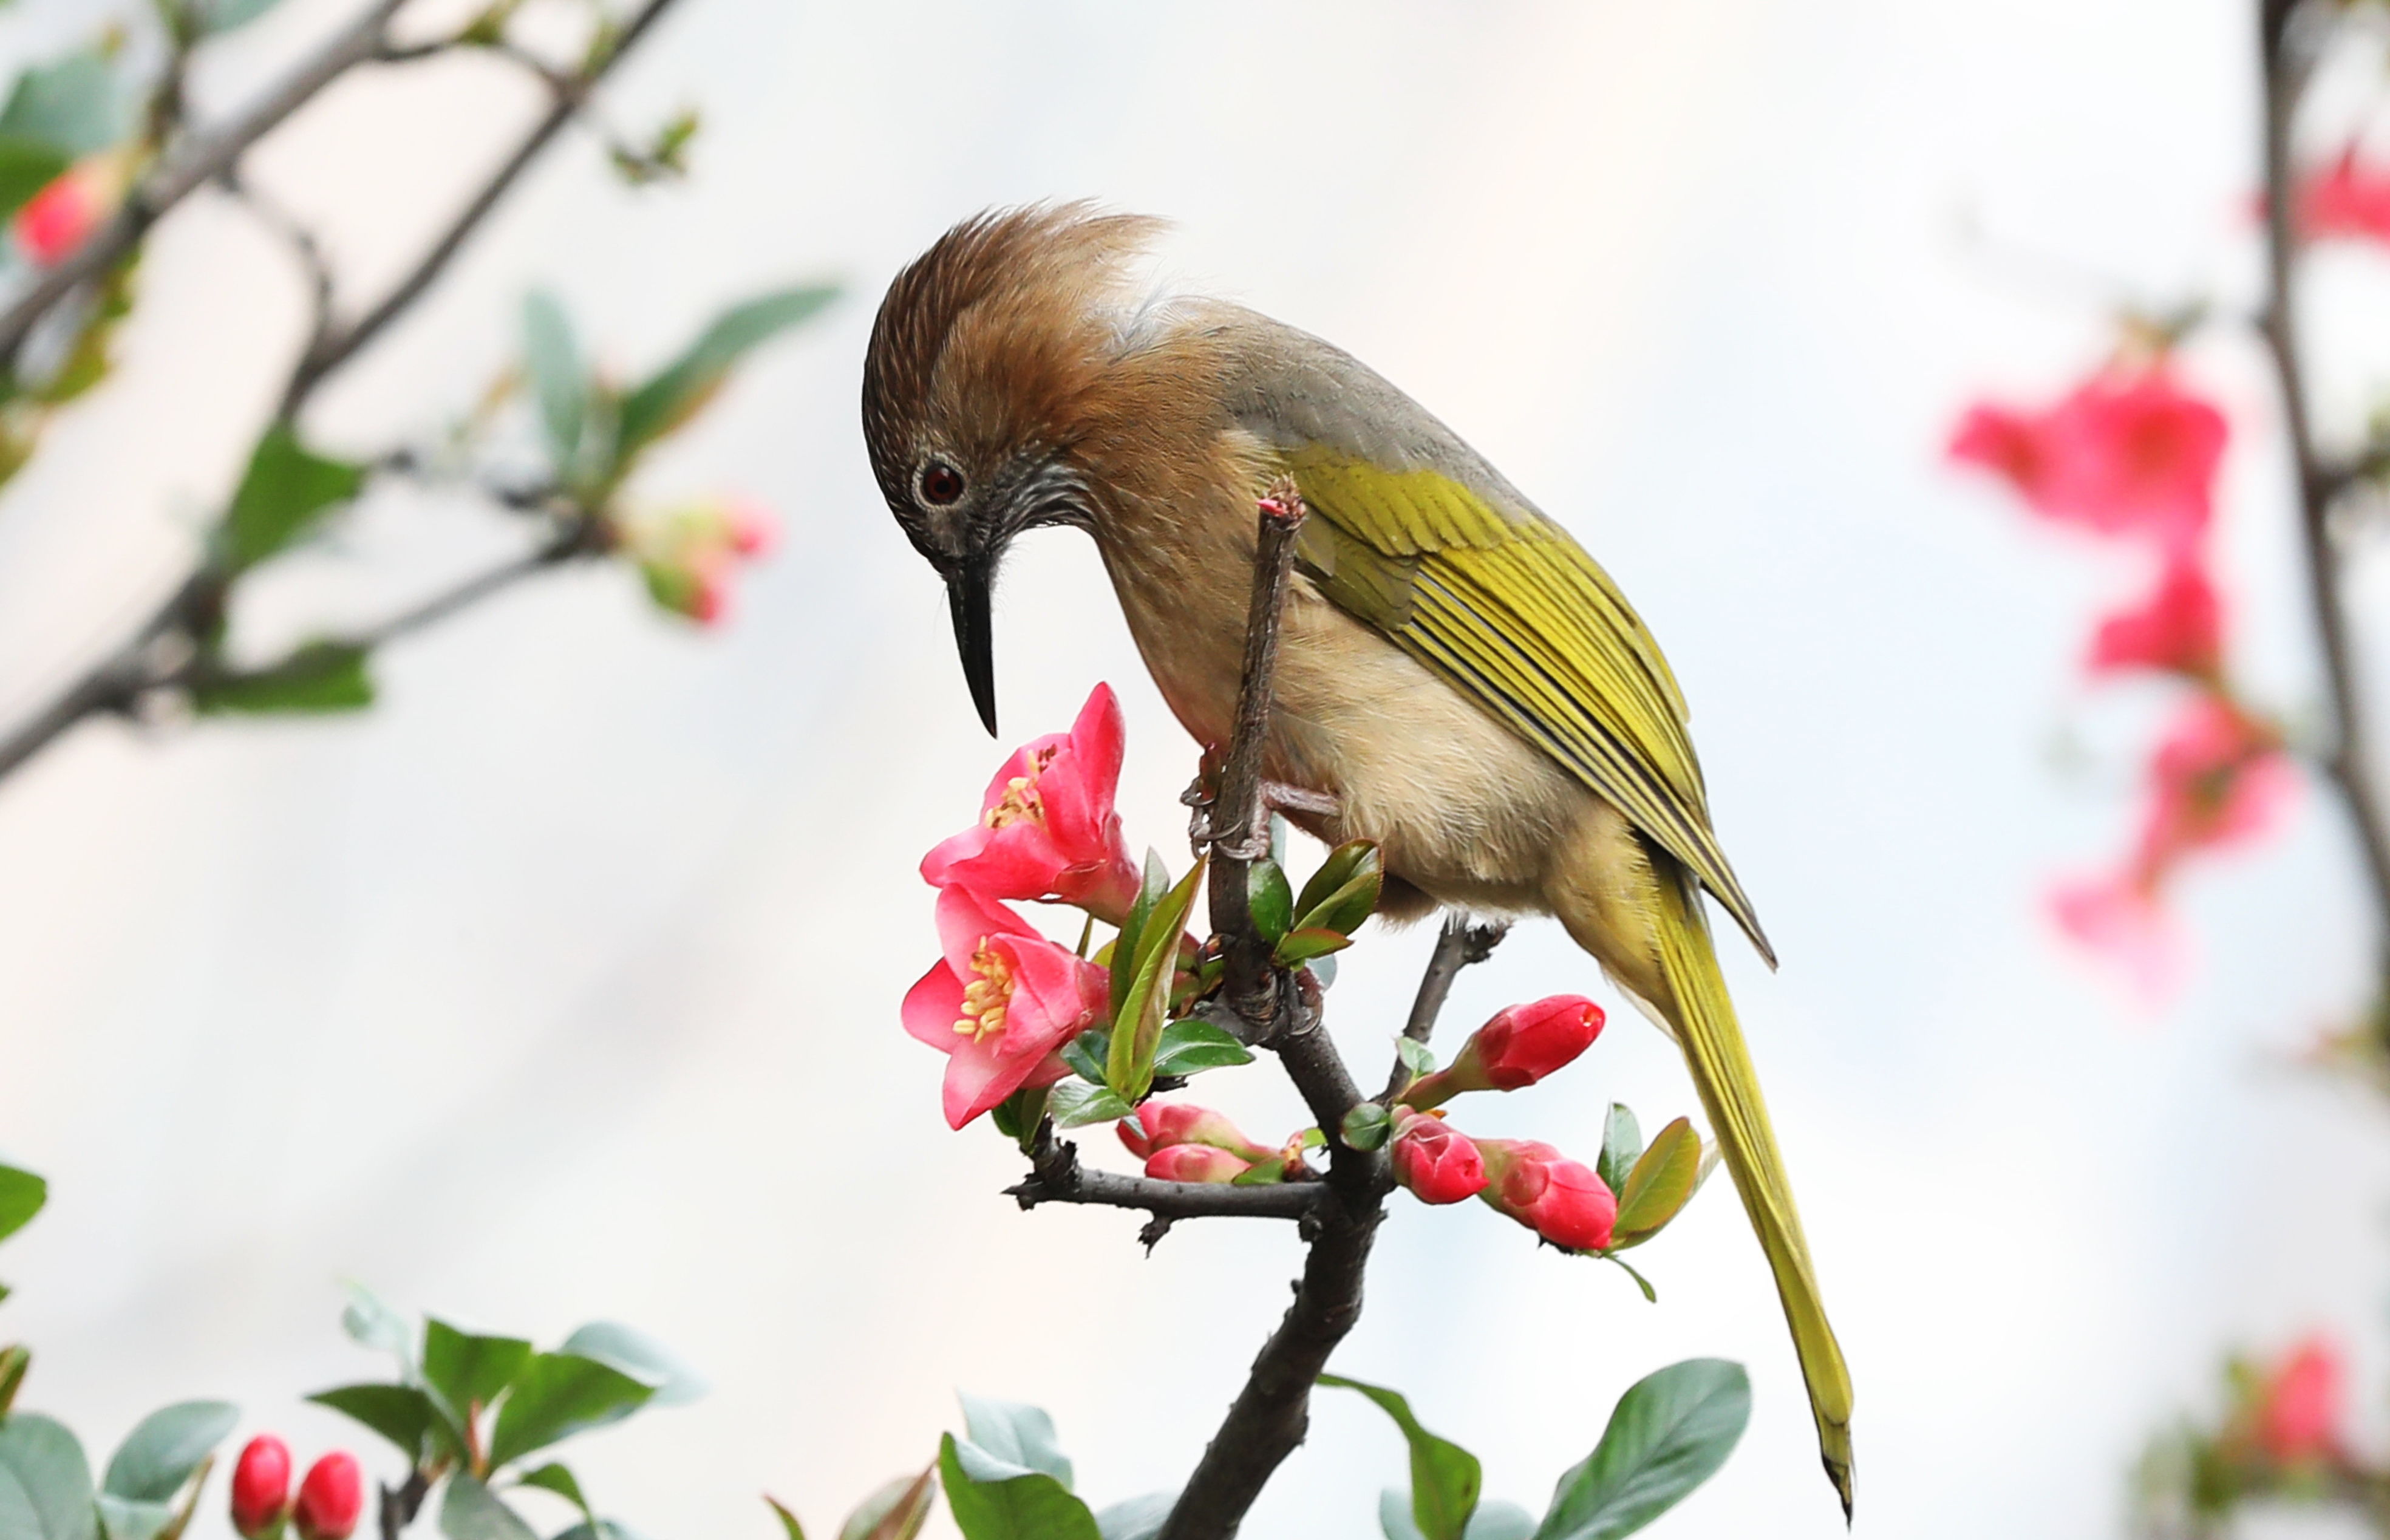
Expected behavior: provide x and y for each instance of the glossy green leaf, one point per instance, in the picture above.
(1017, 1433)
(53, 1496)
(1446, 1478)
(1269, 900)
(556, 1477)
(1123, 960)
(1343, 863)
(73, 106)
(1085, 1053)
(1669, 1434)
(1367, 1126)
(1136, 1031)
(1192, 1046)
(557, 1395)
(1660, 1184)
(671, 397)
(1138, 1518)
(320, 677)
(469, 1510)
(559, 377)
(126, 1518)
(21, 1197)
(370, 1323)
(26, 167)
(214, 17)
(1622, 1144)
(400, 1413)
(1343, 909)
(159, 1455)
(1417, 1056)
(894, 1512)
(992, 1499)
(643, 1358)
(1075, 1104)
(1301, 945)
(468, 1369)
(788, 1525)
(283, 495)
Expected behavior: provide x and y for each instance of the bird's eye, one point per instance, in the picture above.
(941, 484)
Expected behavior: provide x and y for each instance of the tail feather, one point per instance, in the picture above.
(1706, 1028)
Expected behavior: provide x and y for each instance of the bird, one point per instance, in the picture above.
(1457, 680)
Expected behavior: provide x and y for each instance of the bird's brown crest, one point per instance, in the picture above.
(994, 332)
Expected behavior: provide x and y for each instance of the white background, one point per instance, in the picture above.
(564, 984)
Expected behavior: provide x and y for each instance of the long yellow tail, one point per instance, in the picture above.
(1706, 1030)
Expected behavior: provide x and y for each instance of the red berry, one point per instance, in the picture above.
(260, 1485)
(331, 1500)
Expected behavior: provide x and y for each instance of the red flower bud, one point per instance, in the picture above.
(1158, 1125)
(260, 1485)
(1438, 1164)
(1550, 1194)
(1195, 1162)
(2300, 1402)
(1519, 1047)
(331, 1500)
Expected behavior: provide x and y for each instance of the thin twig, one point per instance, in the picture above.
(401, 1504)
(288, 229)
(1460, 945)
(1058, 1178)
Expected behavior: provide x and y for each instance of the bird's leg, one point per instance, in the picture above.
(1269, 797)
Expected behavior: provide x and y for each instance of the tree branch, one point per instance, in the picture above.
(2348, 762)
(1056, 1176)
(1460, 945)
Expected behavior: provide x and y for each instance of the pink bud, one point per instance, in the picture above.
(709, 597)
(2300, 1403)
(331, 1499)
(53, 223)
(1519, 1047)
(754, 528)
(1195, 1162)
(1158, 1125)
(1438, 1164)
(260, 1485)
(1555, 1197)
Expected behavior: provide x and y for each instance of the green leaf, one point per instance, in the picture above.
(1660, 1184)
(1366, 1126)
(21, 1197)
(1075, 1104)
(1138, 1518)
(1342, 865)
(1445, 1477)
(643, 1358)
(124, 1518)
(467, 1370)
(469, 1510)
(1344, 906)
(1669, 1434)
(284, 494)
(1495, 1520)
(1085, 1054)
(557, 1395)
(222, 16)
(673, 396)
(27, 166)
(1622, 1141)
(159, 1455)
(15, 1359)
(560, 378)
(1123, 950)
(53, 1496)
(1417, 1056)
(1269, 900)
(1309, 942)
(1019, 1434)
(370, 1323)
(1261, 1173)
(400, 1413)
(555, 1478)
(1136, 1031)
(788, 1525)
(894, 1512)
(72, 105)
(994, 1500)
(1191, 1047)
(320, 677)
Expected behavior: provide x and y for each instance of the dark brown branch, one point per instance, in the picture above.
(1056, 1176)
(2347, 762)
(1460, 945)
(401, 1504)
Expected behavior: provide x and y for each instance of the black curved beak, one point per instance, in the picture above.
(967, 593)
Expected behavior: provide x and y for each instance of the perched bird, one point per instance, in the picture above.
(1457, 679)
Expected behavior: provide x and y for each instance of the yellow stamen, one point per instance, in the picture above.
(986, 996)
(1020, 800)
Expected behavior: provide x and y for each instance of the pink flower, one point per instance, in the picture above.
(2300, 1402)
(1195, 1162)
(330, 1499)
(260, 1485)
(2219, 778)
(1550, 1194)
(1046, 828)
(754, 528)
(2121, 919)
(1001, 1002)
(2128, 453)
(53, 223)
(2350, 201)
(2180, 628)
(1159, 1125)
(1438, 1164)
(1518, 1047)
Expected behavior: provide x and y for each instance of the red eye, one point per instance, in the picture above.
(941, 484)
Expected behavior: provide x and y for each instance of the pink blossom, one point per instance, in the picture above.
(1158, 1125)
(2128, 453)
(2219, 778)
(2301, 1401)
(1518, 1047)
(331, 1500)
(260, 1487)
(1195, 1162)
(2120, 917)
(1559, 1198)
(1047, 827)
(52, 226)
(2179, 627)
(1436, 1162)
(755, 528)
(2350, 200)
(1002, 1001)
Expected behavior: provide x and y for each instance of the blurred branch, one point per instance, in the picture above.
(2287, 34)
(301, 240)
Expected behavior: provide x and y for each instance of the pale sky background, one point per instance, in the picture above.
(564, 984)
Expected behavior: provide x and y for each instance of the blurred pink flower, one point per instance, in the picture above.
(2301, 1401)
(2219, 778)
(52, 226)
(1002, 1001)
(1047, 827)
(2348, 201)
(755, 528)
(2119, 917)
(2128, 453)
(2179, 627)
